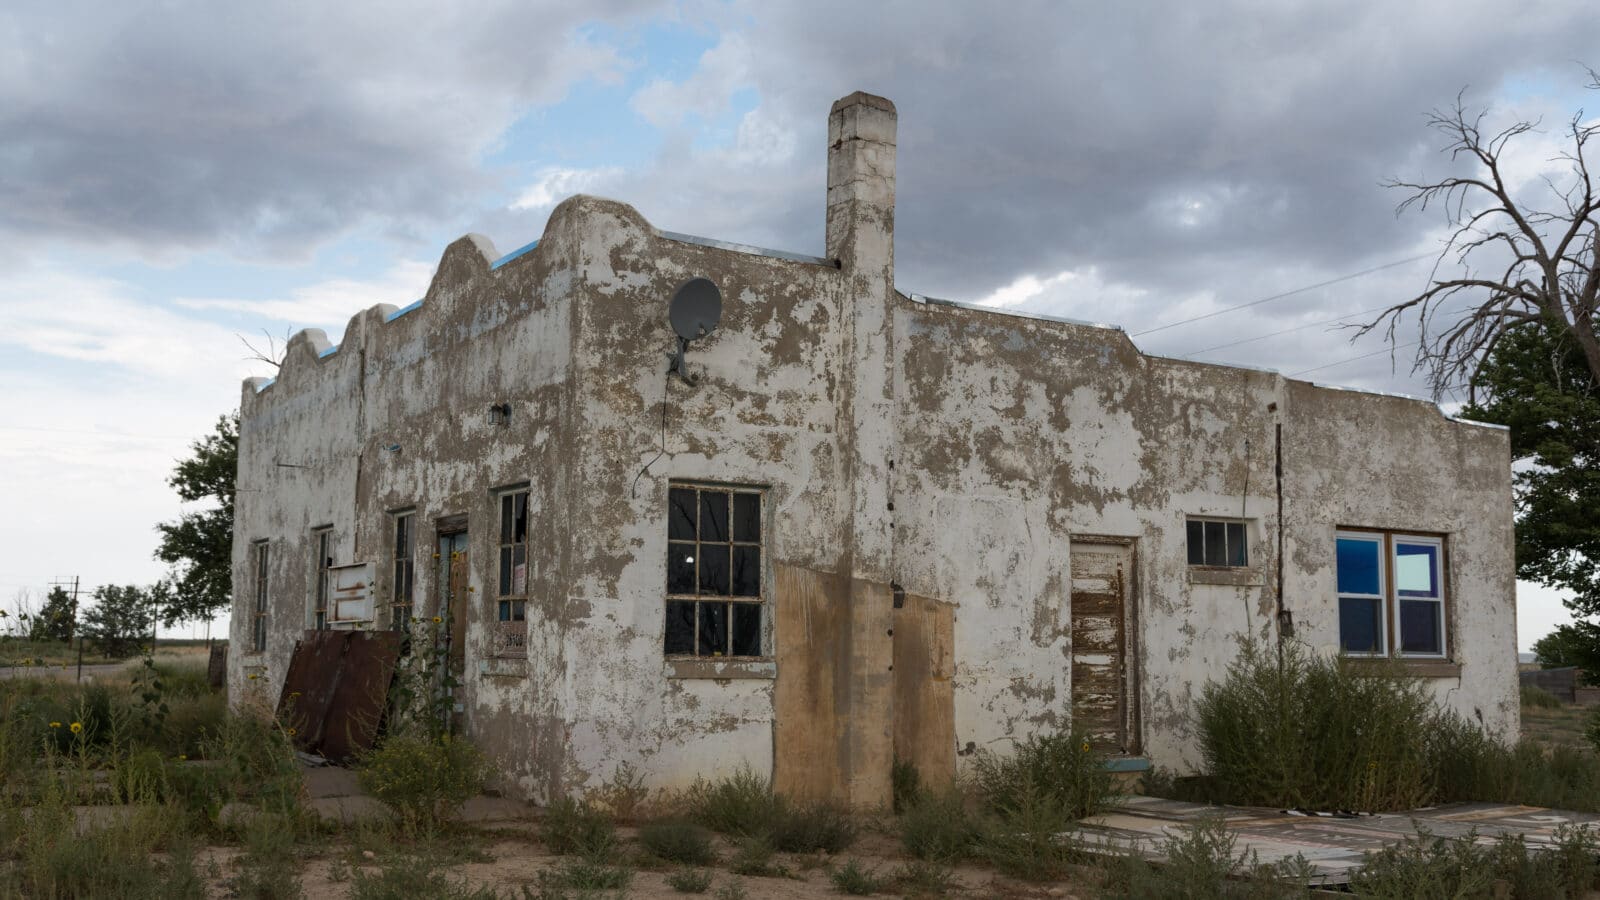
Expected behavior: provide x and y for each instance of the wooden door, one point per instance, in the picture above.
(1101, 581)
(454, 603)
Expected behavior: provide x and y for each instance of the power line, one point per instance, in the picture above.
(1298, 290)
(1262, 337)
(1354, 358)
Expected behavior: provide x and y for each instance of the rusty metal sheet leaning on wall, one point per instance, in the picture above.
(336, 689)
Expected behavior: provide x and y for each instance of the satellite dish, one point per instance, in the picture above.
(696, 309)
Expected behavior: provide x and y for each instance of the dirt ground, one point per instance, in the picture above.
(514, 858)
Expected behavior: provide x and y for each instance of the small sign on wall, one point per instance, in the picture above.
(350, 589)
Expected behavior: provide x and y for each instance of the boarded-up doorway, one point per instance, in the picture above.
(1103, 696)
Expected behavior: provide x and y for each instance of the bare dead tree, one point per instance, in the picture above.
(273, 355)
(1520, 263)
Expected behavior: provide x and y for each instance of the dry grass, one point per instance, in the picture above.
(1561, 726)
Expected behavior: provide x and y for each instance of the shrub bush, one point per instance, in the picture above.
(811, 827)
(856, 880)
(1297, 730)
(907, 784)
(406, 877)
(1025, 841)
(1425, 867)
(676, 840)
(1059, 770)
(690, 881)
(742, 804)
(574, 827)
(938, 828)
(1535, 696)
(1201, 864)
(423, 780)
(922, 878)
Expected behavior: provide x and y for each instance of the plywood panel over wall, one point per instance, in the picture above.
(924, 701)
(813, 653)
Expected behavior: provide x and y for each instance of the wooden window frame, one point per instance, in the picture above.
(1389, 597)
(403, 549)
(511, 605)
(322, 539)
(258, 622)
(699, 599)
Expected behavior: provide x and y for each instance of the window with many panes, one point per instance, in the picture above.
(322, 539)
(513, 596)
(1391, 594)
(258, 625)
(404, 572)
(1218, 542)
(714, 583)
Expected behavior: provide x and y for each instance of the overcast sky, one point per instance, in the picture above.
(173, 174)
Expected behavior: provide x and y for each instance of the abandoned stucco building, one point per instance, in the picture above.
(875, 525)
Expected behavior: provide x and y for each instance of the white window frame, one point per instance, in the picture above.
(1395, 540)
(1374, 537)
(1224, 521)
(1389, 591)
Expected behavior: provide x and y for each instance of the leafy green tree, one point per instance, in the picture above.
(1537, 382)
(1577, 644)
(199, 545)
(58, 618)
(121, 617)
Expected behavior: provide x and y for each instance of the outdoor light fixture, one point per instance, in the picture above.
(499, 414)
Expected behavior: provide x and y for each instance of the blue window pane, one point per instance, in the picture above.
(1416, 569)
(1358, 566)
(1419, 627)
(1359, 628)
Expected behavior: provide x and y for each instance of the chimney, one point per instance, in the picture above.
(861, 134)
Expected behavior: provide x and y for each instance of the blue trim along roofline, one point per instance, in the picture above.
(328, 352)
(512, 255)
(402, 311)
(745, 248)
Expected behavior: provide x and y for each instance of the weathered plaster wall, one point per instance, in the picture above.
(1017, 433)
(315, 449)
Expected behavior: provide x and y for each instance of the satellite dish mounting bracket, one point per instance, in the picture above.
(676, 365)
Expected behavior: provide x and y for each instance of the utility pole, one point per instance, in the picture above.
(72, 621)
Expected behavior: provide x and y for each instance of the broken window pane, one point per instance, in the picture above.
(402, 547)
(746, 629)
(505, 519)
(713, 629)
(680, 627)
(519, 569)
(713, 516)
(1236, 544)
(1360, 629)
(746, 571)
(747, 517)
(505, 570)
(680, 568)
(519, 520)
(1197, 543)
(681, 504)
(714, 566)
(1216, 543)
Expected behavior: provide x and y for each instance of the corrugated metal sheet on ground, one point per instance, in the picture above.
(1333, 846)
